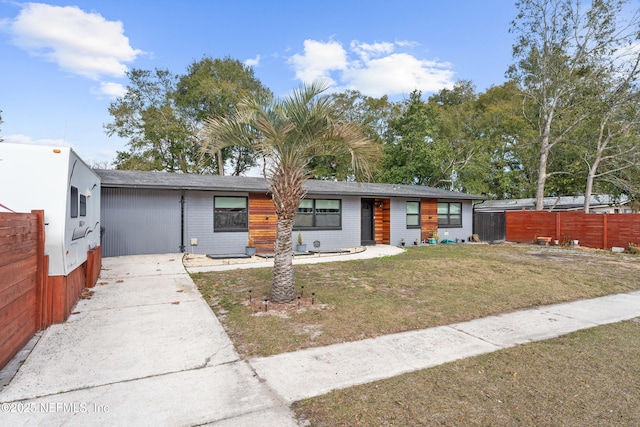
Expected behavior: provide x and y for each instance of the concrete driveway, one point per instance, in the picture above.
(145, 349)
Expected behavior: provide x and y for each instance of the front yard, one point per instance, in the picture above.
(424, 287)
(589, 377)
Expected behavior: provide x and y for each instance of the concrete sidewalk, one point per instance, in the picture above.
(144, 350)
(316, 371)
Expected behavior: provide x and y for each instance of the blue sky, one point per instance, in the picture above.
(64, 62)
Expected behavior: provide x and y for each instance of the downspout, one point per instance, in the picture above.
(182, 221)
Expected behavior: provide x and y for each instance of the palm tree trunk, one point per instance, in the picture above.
(283, 289)
(287, 191)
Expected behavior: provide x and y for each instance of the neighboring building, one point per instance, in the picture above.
(599, 204)
(159, 212)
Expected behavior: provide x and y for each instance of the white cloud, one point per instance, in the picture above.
(112, 90)
(319, 60)
(366, 50)
(252, 62)
(398, 73)
(375, 69)
(27, 140)
(82, 43)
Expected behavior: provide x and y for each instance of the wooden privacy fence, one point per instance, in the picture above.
(30, 299)
(24, 304)
(591, 230)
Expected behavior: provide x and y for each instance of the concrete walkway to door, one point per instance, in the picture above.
(144, 350)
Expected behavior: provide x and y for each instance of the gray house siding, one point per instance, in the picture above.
(199, 225)
(347, 237)
(140, 221)
(399, 228)
(460, 233)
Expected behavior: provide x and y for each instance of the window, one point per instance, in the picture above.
(230, 214)
(413, 214)
(74, 202)
(319, 213)
(449, 214)
(83, 205)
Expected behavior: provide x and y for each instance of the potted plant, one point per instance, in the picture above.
(402, 241)
(250, 249)
(301, 246)
(415, 242)
(434, 238)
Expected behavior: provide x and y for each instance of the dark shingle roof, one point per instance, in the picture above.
(180, 181)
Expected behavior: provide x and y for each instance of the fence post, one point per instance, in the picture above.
(605, 231)
(558, 226)
(40, 273)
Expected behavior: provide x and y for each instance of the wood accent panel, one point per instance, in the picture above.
(428, 218)
(382, 221)
(262, 222)
(591, 230)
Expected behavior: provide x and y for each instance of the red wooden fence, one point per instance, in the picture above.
(23, 294)
(591, 230)
(30, 299)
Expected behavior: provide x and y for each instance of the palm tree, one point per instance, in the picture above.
(289, 133)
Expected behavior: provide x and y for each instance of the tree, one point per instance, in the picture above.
(432, 143)
(408, 157)
(559, 52)
(289, 133)
(160, 137)
(371, 114)
(615, 142)
(213, 87)
(161, 114)
(455, 134)
(502, 163)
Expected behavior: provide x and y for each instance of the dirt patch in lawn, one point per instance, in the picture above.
(424, 287)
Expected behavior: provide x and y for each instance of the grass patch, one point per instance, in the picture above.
(421, 288)
(586, 378)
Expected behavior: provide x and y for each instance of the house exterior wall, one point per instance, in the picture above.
(399, 228)
(460, 233)
(348, 237)
(140, 221)
(199, 225)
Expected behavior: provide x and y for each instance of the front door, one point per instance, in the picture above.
(367, 223)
